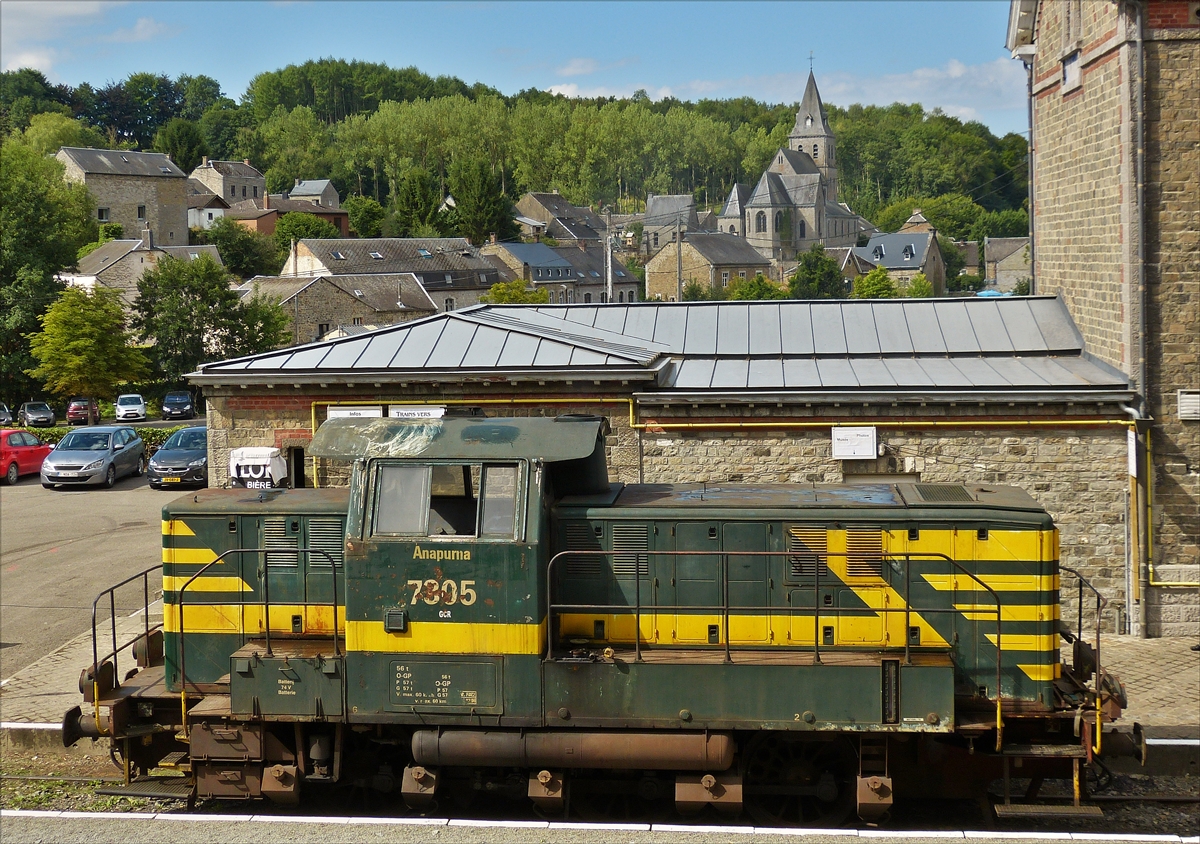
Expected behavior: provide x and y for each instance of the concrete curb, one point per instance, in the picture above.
(674, 829)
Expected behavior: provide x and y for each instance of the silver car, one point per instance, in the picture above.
(5, 414)
(98, 455)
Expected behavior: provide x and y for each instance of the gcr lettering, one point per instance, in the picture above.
(446, 592)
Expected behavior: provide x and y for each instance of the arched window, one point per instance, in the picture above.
(760, 221)
(733, 229)
(815, 152)
(802, 234)
(587, 298)
(778, 221)
(620, 295)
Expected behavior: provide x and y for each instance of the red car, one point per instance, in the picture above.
(21, 453)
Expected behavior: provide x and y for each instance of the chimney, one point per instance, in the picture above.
(147, 238)
(583, 246)
(266, 200)
(297, 183)
(493, 237)
(246, 161)
(204, 161)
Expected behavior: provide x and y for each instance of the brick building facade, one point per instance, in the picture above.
(1115, 90)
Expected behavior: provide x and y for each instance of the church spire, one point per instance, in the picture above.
(810, 119)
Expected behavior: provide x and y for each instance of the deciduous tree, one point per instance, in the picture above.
(366, 215)
(876, 284)
(85, 346)
(817, 277)
(514, 293)
(297, 225)
(183, 141)
(245, 253)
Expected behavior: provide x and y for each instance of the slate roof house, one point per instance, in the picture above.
(904, 254)
(120, 264)
(233, 181)
(559, 219)
(451, 270)
(568, 274)
(317, 304)
(664, 215)
(794, 204)
(204, 209)
(317, 191)
(136, 189)
(712, 259)
(1006, 262)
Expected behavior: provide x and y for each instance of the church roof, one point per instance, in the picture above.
(775, 190)
(739, 195)
(811, 106)
(794, 161)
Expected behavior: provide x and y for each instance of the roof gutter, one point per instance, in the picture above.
(343, 378)
(826, 398)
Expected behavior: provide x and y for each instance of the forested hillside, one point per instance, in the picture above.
(367, 126)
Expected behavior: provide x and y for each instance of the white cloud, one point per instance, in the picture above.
(572, 90)
(39, 58)
(579, 67)
(962, 90)
(145, 29)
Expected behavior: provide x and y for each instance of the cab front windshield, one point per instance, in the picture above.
(461, 499)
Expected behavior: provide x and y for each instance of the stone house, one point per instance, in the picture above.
(714, 260)
(970, 251)
(316, 305)
(1115, 96)
(551, 214)
(665, 215)
(904, 254)
(851, 264)
(120, 264)
(450, 269)
(261, 215)
(233, 181)
(136, 189)
(569, 274)
(1006, 262)
(958, 390)
(317, 191)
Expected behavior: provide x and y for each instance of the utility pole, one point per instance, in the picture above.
(608, 269)
(678, 259)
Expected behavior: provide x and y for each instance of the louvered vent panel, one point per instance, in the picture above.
(326, 535)
(581, 537)
(807, 547)
(864, 553)
(627, 541)
(943, 494)
(275, 536)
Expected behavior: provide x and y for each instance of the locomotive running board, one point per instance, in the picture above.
(157, 788)
(1040, 810)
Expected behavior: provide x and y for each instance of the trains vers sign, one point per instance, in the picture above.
(483, 612)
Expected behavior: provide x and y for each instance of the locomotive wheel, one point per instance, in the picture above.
(798, 782)
(616, 800)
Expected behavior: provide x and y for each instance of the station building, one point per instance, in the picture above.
(998, 390)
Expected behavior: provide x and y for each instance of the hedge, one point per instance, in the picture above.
(152, 437)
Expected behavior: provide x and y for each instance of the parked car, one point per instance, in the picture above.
(182, 459)
(98, 455)
(130, 406)
(21, 453)
(178, 405)
(83, 411)
(35, 414)
(5, 414)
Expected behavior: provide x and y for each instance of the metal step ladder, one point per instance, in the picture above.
(1029, 809)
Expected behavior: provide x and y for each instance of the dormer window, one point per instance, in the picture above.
(808, 121)
(338, 256)
(909, 252)
(878, 253)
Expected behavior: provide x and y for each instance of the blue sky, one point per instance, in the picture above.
(946, 54)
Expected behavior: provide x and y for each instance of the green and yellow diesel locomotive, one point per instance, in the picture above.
(482, 610)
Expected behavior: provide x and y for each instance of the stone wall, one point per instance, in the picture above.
(1077, 472)
(165, 200)
(662, 272)
(1173, 284)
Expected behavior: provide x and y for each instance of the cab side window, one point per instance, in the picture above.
(499, 501)
(461, 499)
(401, 500)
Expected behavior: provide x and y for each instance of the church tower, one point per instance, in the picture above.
(812, 136)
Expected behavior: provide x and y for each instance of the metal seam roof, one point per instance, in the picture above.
(1012, 344)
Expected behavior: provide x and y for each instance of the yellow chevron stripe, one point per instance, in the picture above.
(427, 637)
(175, 527)
(1020, 612)
(235, 618)
(1025, 641)
(1041, 672)
(188, 555)
(999, 582)
(205, 583)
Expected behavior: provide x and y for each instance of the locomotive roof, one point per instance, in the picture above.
(331, 501)
(551, 440)
(825, 497)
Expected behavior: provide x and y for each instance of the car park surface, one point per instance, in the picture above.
(182, 459)
(21, 453)
(36, 414)
(98, 455)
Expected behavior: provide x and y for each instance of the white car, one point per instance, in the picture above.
(130, 406)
